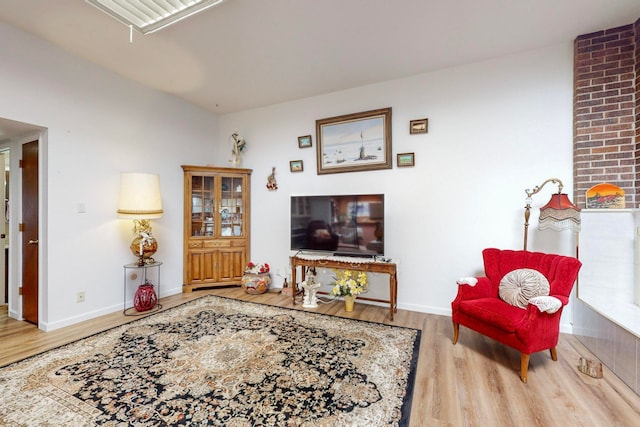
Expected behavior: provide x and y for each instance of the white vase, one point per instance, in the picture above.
(236, 161)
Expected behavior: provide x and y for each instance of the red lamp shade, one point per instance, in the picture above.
(559, 214)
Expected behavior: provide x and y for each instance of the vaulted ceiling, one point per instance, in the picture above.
(244, 54)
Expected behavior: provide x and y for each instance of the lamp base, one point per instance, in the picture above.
(144, 247)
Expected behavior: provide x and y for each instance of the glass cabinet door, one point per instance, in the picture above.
(202, 204)
(231, 209)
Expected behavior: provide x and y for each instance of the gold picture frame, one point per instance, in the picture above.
(354, 142)
(405, 159)
(419, 126)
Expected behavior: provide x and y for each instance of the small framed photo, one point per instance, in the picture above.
(296, 166)
(419, 126)
(405, 159)
(304, 141)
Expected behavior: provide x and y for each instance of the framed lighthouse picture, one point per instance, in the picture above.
(354, 142)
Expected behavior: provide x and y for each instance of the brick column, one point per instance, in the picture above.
(606, 90)
(637, 113)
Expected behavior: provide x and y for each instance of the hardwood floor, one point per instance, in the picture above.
(472, 383)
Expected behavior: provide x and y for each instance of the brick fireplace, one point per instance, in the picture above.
(606, 148)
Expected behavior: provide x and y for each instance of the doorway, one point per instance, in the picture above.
(4, 228)
(17, 141)
(29, 231)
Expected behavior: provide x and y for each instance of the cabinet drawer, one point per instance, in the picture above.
(217, 243)
(195, 244)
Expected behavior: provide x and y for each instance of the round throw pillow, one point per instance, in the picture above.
(518, 286)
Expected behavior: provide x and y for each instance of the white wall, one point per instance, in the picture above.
(98, 124)
(495, 129)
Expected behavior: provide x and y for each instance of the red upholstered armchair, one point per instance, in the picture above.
(479, 306)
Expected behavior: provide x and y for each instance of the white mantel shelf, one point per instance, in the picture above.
(609, 279)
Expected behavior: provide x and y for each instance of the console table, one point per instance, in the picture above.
(340, 263)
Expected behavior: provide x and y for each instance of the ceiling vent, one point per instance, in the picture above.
(147, 16)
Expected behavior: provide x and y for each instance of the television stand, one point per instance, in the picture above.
(339, 263)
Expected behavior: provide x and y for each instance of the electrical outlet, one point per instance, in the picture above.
(80, 296)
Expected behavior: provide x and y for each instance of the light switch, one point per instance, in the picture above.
(81, 208)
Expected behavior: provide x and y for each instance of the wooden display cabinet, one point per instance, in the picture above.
(216, 226)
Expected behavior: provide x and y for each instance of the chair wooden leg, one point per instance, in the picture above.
(554, 354)
(456, 332)
(524, 366)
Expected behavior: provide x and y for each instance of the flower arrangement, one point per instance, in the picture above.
(252, 268)
(238, 144)
(349, 283)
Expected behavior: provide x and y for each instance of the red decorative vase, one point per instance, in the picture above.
(145, 297)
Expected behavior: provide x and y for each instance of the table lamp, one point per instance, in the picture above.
(140, 201)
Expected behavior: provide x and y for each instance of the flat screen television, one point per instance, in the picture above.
(351, 225)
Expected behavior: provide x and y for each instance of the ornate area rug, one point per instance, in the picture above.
(218, 361)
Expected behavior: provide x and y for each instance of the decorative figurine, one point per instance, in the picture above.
(310, 289)
(271, 180)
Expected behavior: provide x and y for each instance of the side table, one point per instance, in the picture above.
(131, 311)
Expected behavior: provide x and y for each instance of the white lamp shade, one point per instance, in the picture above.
(139, 196)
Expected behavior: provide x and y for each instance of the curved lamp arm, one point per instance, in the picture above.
(537, 188)
(527, 208)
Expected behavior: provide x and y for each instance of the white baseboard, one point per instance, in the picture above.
(50, 326)
(426, 309)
